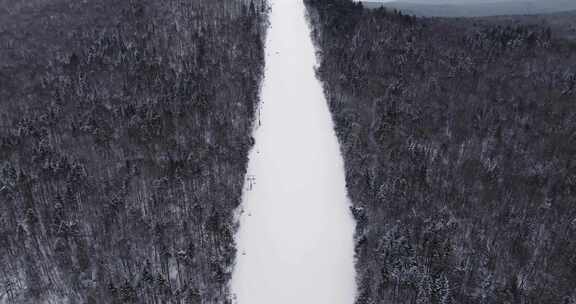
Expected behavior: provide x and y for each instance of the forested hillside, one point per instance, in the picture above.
(124, 133)
(459, 139)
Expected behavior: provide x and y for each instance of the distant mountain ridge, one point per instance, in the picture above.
(451, 8)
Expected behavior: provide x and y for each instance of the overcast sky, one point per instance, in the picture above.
(459, 1)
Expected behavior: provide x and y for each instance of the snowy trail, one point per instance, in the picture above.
(295, 242)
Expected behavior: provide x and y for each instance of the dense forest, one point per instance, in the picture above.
(124, 133)
(459, 137)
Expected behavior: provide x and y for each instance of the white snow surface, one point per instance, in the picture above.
(295, 240)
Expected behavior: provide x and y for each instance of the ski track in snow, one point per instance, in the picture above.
(295, 241)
